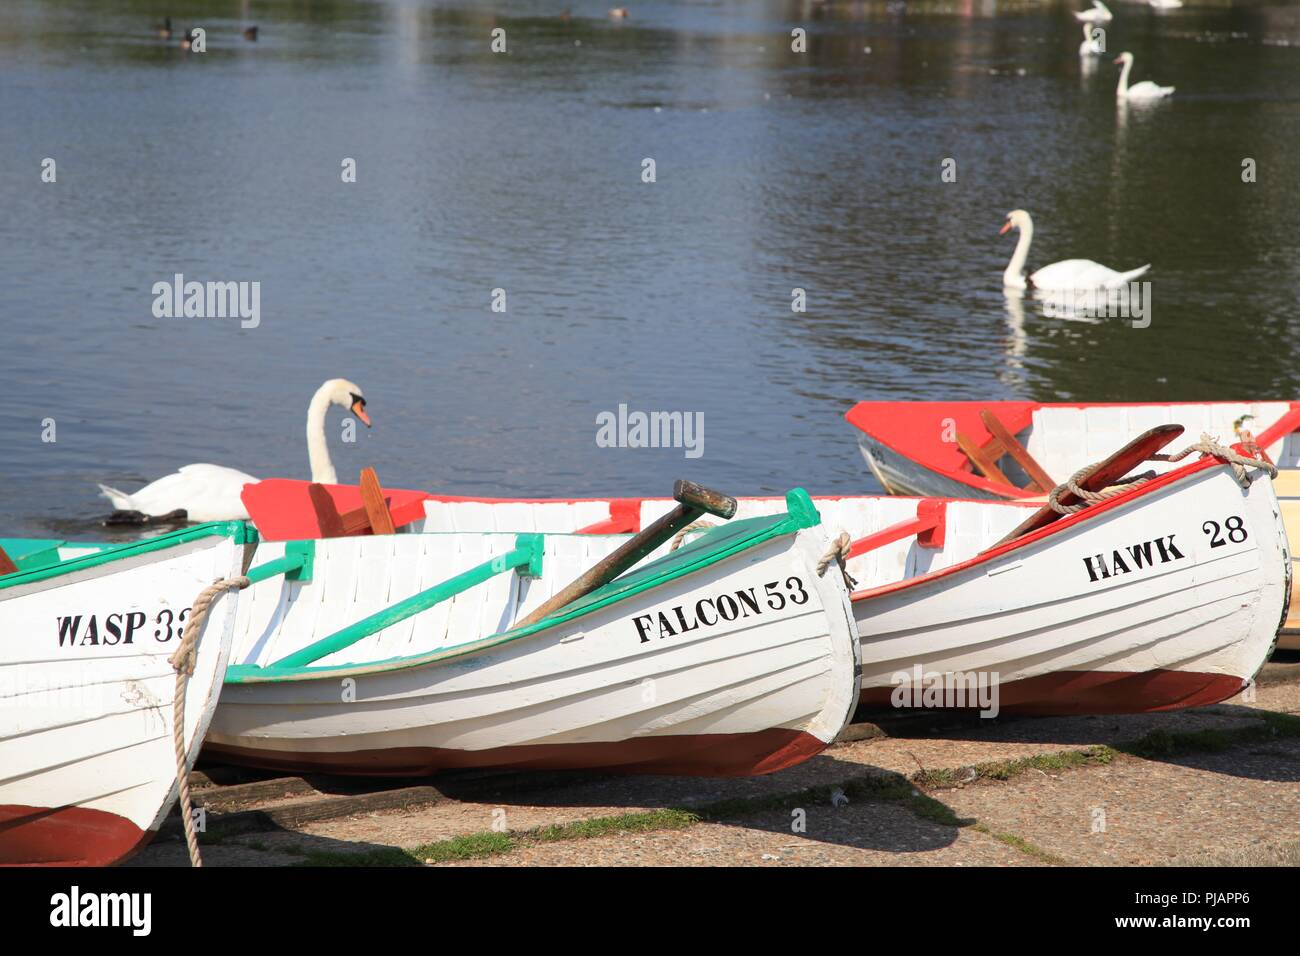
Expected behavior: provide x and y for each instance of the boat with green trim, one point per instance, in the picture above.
(734, 655)
(88, 765)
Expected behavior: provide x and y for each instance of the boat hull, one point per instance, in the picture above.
(66, 836)
(655, 682)
(87, 760)
(900, 475)
(1139, 607)
(708, 755)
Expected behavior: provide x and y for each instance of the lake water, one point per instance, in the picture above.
(523, 172)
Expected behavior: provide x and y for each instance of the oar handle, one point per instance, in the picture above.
(693, 501)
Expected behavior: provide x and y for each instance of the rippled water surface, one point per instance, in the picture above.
(522, 171)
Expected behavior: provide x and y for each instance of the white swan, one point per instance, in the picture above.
(211, 492)
(1091, 46)
(1068, 275)
(1165, 4)
(1146, 90)
(1098, 14)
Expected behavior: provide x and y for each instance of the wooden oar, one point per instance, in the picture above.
(693, 501)
(1106, 472)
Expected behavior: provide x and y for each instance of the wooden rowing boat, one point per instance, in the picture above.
(87, 758)
(916, 560)
(1013, 450)
(733, 655)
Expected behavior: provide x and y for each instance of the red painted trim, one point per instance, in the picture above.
(710, 755)
(66, 836)
(928, 526)
(1057, 527)
(1066, 693)
(1284, 426)
(624, 518)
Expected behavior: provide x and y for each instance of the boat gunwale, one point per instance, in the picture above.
(241, 531)
(1064, 523)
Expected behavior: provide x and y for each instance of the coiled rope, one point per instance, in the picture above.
(182, 662)
(1206, 446)
(839, 553)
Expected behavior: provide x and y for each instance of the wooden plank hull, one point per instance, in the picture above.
(87, 765)
(683, 677)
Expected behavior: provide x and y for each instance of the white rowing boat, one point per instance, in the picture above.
(87, 757)
(734, 655)
(1013, 450)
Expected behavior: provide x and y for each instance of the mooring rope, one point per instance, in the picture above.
(1211, 446)
(1206, 446)
(839, 553)
(693, 526)
(182, 662)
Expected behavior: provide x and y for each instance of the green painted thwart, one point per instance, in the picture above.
(526, 556)
(713, 545)
(296, 565)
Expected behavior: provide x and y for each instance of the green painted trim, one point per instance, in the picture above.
(289, 564)
(525, 555)
(32, 553)
(306, 551)
(800, 505)
(234, 529)
(535, 544)
(714, 545)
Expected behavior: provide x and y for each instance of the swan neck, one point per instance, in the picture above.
(318, 451)
(1014, 277)
(1123, 77)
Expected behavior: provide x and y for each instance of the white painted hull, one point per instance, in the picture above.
(737, 697)
(87, 761)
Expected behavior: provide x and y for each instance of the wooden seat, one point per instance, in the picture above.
(985, 457)
(373, 517)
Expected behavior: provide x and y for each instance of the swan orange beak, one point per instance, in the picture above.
(359, 410)
(1006, 227)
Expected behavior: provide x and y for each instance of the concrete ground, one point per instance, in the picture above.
(1214, 786)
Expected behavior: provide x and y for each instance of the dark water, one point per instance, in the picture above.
(523, 171)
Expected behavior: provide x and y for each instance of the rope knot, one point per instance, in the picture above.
(839, 553)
